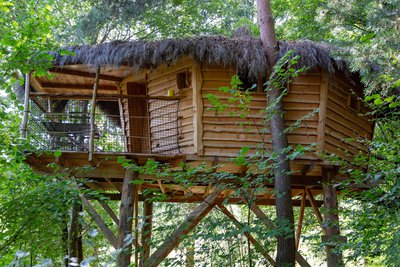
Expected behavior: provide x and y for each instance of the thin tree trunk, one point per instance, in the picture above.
(75, 239)
(286, 249)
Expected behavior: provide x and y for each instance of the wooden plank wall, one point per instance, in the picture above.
(342, 122)
(223, 135)
(163, 79)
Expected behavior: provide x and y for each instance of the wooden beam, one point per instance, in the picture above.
(146, 230)
(136, 220)
(99, 221)
(24, 124)
(93, 114)
(331, 222)
(109, 211)
(301, 217)
(47, 85)
(125, 220)
(255, 243)
(108, 97)
(85, 74)
(179, 234)
(315, 208)
(196, 198)
(269, 224)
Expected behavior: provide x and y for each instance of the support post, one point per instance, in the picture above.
(331, 219)
(146, 230)
(301, 217)
(93, 114)
(24, 124)
(125, 220)
(188, 224)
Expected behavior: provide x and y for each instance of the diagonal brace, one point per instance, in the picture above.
(179, 234)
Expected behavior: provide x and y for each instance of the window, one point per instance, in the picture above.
(182, 80)
(251, 84)
(353, 102)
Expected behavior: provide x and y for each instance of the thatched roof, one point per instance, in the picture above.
(245, 52)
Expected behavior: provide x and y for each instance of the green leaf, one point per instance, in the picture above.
(57, 153)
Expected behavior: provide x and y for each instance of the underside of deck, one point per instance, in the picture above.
(106, 174)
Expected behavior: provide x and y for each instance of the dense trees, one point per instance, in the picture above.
(368, 32)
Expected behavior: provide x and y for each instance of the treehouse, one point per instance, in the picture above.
(154, 100)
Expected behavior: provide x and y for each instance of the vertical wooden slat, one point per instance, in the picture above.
(197, 81)
(322, 112)
(93, 114)
(25, 117)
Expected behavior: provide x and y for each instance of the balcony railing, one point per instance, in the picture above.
(61, 124)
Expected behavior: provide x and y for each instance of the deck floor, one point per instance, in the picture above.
(106, 172)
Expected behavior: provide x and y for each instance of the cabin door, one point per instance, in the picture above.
(137, 128)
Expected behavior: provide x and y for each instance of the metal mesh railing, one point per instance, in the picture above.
(65, 125)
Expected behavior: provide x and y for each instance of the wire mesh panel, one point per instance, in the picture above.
(65, 125)
(164, 126)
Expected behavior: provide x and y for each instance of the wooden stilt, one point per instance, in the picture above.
(93, 114)
(188, 224)
(331, 222)
(301, 217)
(255, 243)
(24, 124)
(146, 230)
(136, 211)
(125, 220)
(99, 221)
(268, 223)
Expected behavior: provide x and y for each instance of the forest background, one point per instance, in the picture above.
(34, 208)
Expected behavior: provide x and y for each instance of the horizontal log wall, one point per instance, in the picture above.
(163, 79)
(343, 124)
(224, 136)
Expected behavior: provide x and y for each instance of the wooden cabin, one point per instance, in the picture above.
(151, 101)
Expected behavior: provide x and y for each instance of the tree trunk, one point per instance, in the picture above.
(286, 249)
(75, 238)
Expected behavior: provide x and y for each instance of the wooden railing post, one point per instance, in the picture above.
(24, 124)
(93, 114)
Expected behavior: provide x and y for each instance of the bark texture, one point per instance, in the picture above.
(286, 249)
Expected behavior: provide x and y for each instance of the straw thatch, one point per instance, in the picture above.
(244, 51)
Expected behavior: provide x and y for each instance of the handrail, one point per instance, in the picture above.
(109, 97)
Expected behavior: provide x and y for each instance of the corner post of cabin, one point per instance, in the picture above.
(93, 114)
(147, 229)
(24, 124)
(125, 220)
(331, 218)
